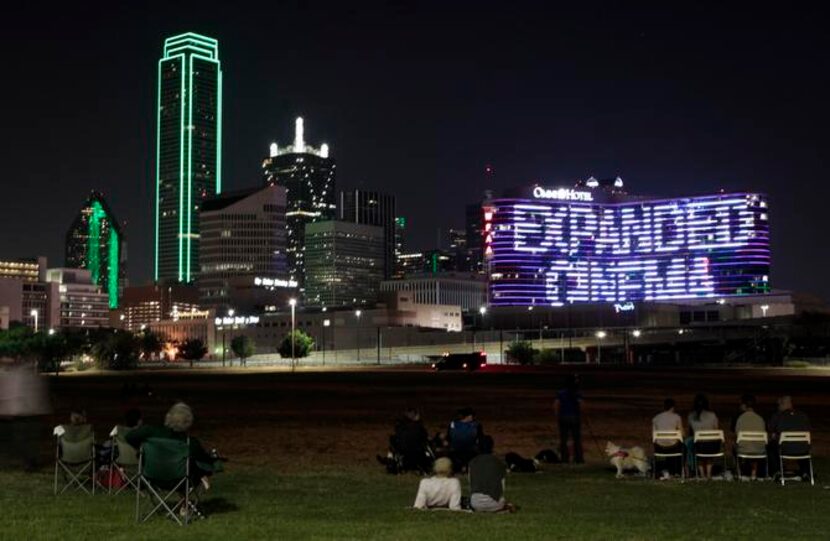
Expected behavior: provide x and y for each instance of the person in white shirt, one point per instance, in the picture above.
(668, 421)
(703, 419)
(441, 490)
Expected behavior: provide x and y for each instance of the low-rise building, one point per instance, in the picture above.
(467, 290)
(82, 303)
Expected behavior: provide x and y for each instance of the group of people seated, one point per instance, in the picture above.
(487, 475)
(464, 447)
(177, 423)
(411, 449)
(701, 418)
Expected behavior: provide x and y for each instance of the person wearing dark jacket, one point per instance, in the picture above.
(177, 422)
(568, 411)
(410, 440)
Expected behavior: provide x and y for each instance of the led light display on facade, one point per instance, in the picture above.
(554, 252)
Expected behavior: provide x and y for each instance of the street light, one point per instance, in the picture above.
(293, 304)
(326, 323)
(33, 313)
(357, 314)
(600, 335)
(224, 334)
(636, 333)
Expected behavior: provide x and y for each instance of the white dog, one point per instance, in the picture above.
(633, 458)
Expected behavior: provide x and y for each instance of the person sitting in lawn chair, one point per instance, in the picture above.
(177, 423)
(441, 491)
(409, 448)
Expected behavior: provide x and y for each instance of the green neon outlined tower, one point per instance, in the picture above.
(188, 150)
(96, 242)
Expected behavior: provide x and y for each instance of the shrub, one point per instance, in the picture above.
(303, 344)
(521, 352)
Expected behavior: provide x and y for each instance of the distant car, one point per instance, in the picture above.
(460, 361)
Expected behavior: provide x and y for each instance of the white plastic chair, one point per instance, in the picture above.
(751, 437)
(703, 436)
(669, 435)
(794, 437)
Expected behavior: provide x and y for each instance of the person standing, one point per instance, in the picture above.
(568, 412)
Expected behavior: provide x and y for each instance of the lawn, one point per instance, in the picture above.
(561, 503)
(302, 446)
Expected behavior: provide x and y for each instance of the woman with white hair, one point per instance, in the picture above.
(177, 423)
(441, 490)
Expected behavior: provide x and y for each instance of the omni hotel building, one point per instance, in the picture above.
(594, 243)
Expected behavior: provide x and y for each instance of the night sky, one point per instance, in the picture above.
(415, 99)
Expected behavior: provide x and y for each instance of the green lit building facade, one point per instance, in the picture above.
(188, 150)
(96, 242)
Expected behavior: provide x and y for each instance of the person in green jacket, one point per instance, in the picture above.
(177, 422)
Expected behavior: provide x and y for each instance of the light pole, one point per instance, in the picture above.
(326, 323)
(293, 303)
(33, 313)
(600, 335)
(224, 334)
(357, 314)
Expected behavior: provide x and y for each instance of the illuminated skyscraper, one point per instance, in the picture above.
(373, 208)
(188, 150)
(95, 242)
(307, 173)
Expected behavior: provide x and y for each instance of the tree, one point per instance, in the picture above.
(303, 344)
(192, 349)
(116, 350)
(243, 347)
(151, 343)
(521, 352)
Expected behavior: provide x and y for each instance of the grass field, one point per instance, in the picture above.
(302, 459)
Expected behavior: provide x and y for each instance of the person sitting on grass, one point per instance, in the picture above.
(408, 445)
(668, 421)
(464, 437)
(788, 419)
(441, 491)
(177, 422)
(701, 418)
(749, 421)
(487, 478)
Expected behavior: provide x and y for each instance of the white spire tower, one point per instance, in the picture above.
(299, 143)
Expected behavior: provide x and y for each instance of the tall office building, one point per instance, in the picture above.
(344, 263)
(373, 208)
(95, 242)
(243, 236)
(400, 238)
(474, 238)
(307, 173)
(188, 150)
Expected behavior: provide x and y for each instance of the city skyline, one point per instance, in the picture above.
(666, 130)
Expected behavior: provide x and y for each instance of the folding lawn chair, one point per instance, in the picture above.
(706, 436)
(164, 471)
(751, 438)
(669, 435)
(75, 458)
(799, 444)
(123, 459)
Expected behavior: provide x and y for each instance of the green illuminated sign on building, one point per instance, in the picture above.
(188, 149)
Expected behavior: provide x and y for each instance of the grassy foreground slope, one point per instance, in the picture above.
(561, 503)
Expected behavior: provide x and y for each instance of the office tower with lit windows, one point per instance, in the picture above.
(96, 242)
(308, 175)
(400, 238)
(188, 150)
(243, 236)
(373, 208)
(344, 263)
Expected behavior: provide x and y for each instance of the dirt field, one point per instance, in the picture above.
(340, 420)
